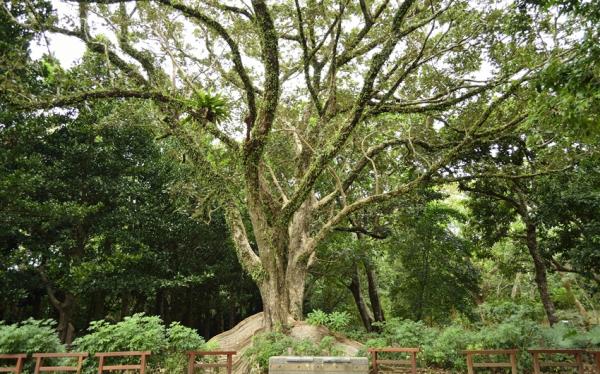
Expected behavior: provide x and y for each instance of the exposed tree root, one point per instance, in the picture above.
(239, 339)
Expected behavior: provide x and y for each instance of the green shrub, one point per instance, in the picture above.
(513, 333)
(520, 334)
(135, 333)
(335, 321)
(272, 344)
(142, 333)
(565, 335)
(407, 333)
(181, 339)
(497, 312)
(445, 350)
(317, 318)
(592, 337)
(402, 333)
(30, 336)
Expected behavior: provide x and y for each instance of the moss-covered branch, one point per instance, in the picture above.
(318, 165)
(213, 24)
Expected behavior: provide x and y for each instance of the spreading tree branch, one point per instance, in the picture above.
(318, 165)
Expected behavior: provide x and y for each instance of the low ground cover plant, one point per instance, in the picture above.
(272, 344)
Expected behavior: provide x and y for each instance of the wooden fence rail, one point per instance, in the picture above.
(39, 359)
(596, 355)
(412, 362)
(538, 364)
(19, 358)
(192, 364)
(102, 367)
(511, 363)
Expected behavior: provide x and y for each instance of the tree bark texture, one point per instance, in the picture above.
(373, 286)
(364, 312)
(515, 289)
(540, 273)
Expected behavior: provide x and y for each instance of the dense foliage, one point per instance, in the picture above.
(142, 333)
(30, 336)
(508, 325)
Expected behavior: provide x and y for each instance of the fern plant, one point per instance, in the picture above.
(213, 107)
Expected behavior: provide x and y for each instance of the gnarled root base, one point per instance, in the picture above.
(239, 339)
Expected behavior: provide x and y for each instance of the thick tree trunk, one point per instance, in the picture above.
(364, 312)
(540, 273)
(282, 295)
(282, 290)
(296, 282)
(275, 299)
(284, 258)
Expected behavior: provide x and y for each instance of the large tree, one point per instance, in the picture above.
(324, 107)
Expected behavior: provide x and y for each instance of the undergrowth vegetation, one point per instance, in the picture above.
(139, 332)
(335, 321)
(504, 325)
(272, 344)
(30, 336)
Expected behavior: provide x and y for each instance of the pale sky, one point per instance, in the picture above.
(67, 49)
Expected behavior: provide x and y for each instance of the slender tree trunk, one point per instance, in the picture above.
(125, 304)
(364, 312)
(96, 310)
(515, 289)
(221, 320)
(580, 307)
(159, 303)
(64, 308)
(373, 286)
(65, 315)
(206, 326)
(540, 273)
(423, 283)
(36, 305)
(231, 316)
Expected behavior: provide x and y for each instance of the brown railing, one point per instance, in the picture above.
(20, 357)
(412, 362)
(596, 355)
(192, 364)
(102, 367)
(511, 363)
(538, 364)
(39, 357)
